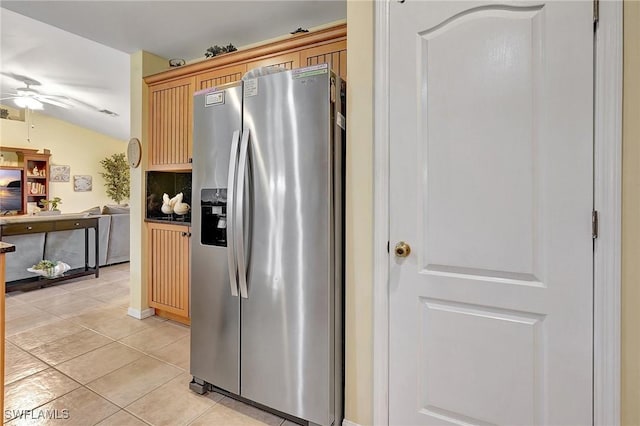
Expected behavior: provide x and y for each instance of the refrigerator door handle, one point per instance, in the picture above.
(239, 215)
(231, 184)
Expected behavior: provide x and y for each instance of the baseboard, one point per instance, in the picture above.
(136, 313)
(346, 422)
(174, 317)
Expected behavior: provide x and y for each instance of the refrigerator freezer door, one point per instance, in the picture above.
(287, 319)
(215, 313)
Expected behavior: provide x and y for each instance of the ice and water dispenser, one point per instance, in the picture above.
(213, 205)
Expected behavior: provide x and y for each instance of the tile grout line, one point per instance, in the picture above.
(51, 400)
(99, 377)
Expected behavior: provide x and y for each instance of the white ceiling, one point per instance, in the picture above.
(80, 49)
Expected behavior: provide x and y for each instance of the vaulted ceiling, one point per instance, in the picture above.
(80, 49)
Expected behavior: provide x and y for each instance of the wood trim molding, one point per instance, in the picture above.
(381, 215)
(608, 203)
(280, 46)
(21, 150)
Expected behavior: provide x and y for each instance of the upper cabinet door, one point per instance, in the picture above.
(170, 128)
(220, 76)
(171, 92)
(285, 60)
(335, 54)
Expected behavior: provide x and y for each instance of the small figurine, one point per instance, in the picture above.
(179, 207)
(167, 207)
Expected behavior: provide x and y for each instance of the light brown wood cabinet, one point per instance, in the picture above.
(169, 270)
(170, 116)
(286, 60)
(334, 54)
(171, 140)
(220, 76)
(171, 92)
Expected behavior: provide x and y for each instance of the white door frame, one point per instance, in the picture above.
(607, 201)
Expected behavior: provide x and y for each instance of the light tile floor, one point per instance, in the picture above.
(72, 352)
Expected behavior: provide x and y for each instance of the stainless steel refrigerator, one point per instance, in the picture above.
(267, 278)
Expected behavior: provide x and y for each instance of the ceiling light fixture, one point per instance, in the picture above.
(28, 102)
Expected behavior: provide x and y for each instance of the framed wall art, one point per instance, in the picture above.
(82, 183)
(59, 173)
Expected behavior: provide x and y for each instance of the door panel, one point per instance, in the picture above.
(491, 185)
(286, 60)
(335, 54)
(455, 383)
(170, 123)
(169, 268)
(215, 329)
(220, 76)
(287, 317)
(470, 150)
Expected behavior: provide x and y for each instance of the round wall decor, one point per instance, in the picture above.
(134, 152)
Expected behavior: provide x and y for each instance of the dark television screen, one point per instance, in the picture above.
(10, 190)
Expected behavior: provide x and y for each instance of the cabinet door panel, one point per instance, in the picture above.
(169, 268)
(286, 60)
(170, 118)
(335, 54)
(220, 76)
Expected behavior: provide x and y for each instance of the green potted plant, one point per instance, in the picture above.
(116, 177)
(50, 206)
(218, 50)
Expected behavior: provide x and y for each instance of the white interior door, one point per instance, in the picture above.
(491, 173)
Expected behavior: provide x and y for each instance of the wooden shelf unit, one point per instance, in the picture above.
(35, 186)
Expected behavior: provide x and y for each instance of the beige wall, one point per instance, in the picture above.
(142, 64)
(80, 148)
(359, 221)
(631, 217)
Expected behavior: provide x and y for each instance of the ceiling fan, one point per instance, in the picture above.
(28, 97)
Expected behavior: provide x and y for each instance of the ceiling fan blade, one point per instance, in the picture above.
(86, 105)
(61, 98)
(22, 78)
(48, 100)
(10, 97)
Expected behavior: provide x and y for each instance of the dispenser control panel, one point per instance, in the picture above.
(213, 207)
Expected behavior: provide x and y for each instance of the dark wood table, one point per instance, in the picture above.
(53, 225)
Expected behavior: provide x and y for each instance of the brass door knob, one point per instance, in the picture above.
(402, 249)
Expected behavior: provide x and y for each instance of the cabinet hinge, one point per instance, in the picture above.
(594, 224)
(596, 13)
(387, 246)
